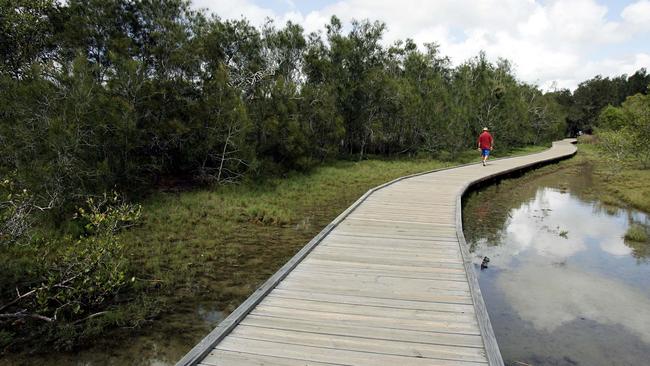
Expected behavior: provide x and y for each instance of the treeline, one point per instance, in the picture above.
(100, 95)
(617, 111)
(585, 104)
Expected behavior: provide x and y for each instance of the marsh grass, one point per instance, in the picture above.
(624, 185)
(636, 233)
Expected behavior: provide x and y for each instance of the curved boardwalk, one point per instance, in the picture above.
(389, 282)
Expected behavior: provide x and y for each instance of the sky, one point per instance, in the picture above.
(552, 44)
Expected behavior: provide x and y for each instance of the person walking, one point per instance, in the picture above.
(485, 141)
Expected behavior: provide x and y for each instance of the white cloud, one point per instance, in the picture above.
(537, 225)
(637, 14)
(562, 295)
(550, 41)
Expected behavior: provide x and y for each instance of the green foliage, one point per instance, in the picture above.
(144, 91)
(20, 211)
(612, 118)
(15, 209)
(26, 30)
(584, 107)
(628, 186)
(71, 282)
(108, 215)
(636, 233)
(637, 107)
(616, 146)
(627, 130)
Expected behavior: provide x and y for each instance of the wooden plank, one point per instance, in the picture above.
(394, 234)
(388, 261)
(400, 248)
(371, 301)
(457, 312)
(382, 281)
(369, 320)
(408, 290)
(404, 215)
(422, 251)
(399, 223)
(348, 270)
(385, 268)
(397, 247)
(368, 253)
(416, 219)
(415, 228)
(230, 358)
(332, 355)
(362, 344)
(373, 292)
(351, 268)
(402, 242)
(337, 327)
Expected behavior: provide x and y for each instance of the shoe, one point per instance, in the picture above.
(483, 163)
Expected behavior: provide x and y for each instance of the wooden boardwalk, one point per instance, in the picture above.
(389, 282)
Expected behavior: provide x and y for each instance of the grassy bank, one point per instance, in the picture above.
(618, 182)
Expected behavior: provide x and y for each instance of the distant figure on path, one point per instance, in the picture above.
(485, 144)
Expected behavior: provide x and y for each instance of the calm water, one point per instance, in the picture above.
(563, 287)
(164, 347)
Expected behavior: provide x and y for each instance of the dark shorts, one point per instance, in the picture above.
(485, 152)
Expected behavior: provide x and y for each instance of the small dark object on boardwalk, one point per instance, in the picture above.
(485, 262)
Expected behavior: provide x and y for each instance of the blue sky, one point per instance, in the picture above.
(551, 43)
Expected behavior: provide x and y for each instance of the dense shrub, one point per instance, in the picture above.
(54, 287)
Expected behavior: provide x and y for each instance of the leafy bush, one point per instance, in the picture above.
(611, 118)
(626, 132)
(73, 280)
(14, 212)
(617, 145)
(636, 233)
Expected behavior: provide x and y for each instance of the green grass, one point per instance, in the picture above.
(636, 233)
(619, 183)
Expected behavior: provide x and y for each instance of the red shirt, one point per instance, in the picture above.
(485, 140)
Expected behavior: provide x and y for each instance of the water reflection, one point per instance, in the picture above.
(563, 287)
(162, 348)
(538, 225)
(550, 296)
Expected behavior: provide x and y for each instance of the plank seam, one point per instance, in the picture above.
(363, 337)
(379, 327)
(349, 349)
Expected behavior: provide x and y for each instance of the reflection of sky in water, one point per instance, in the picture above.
(537, 225)
(550, 296)
(541, 279)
